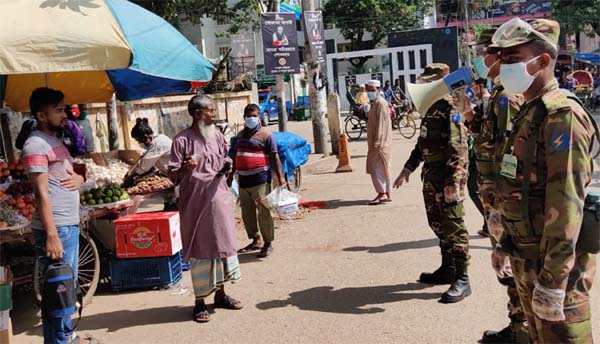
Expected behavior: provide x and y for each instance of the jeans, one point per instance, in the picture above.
(58, 330)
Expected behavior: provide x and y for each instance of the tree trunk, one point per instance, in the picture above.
(113, 123)
(317, 97)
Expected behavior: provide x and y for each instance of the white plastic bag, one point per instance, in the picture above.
(283, 201)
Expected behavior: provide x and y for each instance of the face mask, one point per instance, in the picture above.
(515, 78)
(251, 122)
(372, 96)
(480, 67)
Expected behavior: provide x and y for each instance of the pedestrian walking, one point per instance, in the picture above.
(490, 125)
(546, 167)
(55, 223)
(256, 152)
(379, 140)
(198, 165)
(442, 147)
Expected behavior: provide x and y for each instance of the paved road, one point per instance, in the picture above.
(345, 274)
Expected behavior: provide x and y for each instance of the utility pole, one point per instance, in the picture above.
(317, 96)
(279, 89)
(467, 29)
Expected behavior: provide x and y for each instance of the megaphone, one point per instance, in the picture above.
(425, 95)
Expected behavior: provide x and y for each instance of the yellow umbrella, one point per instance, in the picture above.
(62, 44)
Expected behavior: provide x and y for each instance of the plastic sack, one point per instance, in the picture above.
(235, 189)
(283, 201)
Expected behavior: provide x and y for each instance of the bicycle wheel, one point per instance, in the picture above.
(407, 126)
(88, 273)
(294, 185)
(353, 128)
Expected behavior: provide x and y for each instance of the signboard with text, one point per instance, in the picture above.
(243, 54)
(313, 25)
(280, 43)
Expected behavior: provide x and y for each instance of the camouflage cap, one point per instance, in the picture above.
(434, 71)
(516, 32)
(485, 37)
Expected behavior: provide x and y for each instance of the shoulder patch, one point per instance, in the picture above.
(502, 102)
(456, 118)
(555, 100)
(560, 141)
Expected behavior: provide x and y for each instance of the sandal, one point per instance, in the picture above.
(228, 302)
(90, 339)
(250, 248)
(265, 252)
(375, 202)
(201, 314)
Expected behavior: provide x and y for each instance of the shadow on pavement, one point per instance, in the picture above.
(117, 320)
(337, 203)
(350, 300)
(249, 257)
(409, 245)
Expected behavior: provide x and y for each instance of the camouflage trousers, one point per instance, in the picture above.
(487, 189)
(577, 328)
(445, 220)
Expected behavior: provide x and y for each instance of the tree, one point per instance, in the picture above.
(356, 18)
(577, 16)
(242, 15)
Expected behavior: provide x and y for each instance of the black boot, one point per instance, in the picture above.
(460, 288)
(513, 333)
(444, 274)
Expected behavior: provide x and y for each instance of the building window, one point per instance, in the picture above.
(223, 21)
(344, 47)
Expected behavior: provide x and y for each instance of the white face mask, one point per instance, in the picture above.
(515, 78)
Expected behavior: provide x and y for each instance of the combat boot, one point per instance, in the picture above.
(460, 287)
(513, 333)
(444, 274)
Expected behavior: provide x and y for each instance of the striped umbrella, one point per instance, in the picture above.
(90, 49)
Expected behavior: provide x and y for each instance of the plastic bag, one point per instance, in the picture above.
(548, 303)
(283, 201)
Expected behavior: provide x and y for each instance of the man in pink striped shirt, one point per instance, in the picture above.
(56, 222)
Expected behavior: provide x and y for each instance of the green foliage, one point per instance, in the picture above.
(242, 16)
(577, 16)
(356, 18)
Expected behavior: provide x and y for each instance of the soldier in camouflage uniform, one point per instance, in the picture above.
(442, 147)
(489, 128)
(545, 168)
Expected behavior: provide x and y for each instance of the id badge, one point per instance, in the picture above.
(423, 131)
(509, 166)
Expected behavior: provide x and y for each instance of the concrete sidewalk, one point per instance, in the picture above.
(341, 275)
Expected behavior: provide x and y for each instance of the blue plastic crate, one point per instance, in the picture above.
(185, 266)
(145, 273)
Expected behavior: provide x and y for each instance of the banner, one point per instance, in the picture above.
(280, 43)
(243, 54)
(313, 25)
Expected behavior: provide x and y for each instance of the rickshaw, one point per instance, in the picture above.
(584, 86)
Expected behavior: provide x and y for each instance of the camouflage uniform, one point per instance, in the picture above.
(489, 129)
(543, 246)
(442, 146)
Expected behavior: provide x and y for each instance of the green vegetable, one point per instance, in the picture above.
(92, 202)
(107, 199)
(115, 199)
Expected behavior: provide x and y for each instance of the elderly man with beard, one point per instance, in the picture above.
(198, 165)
